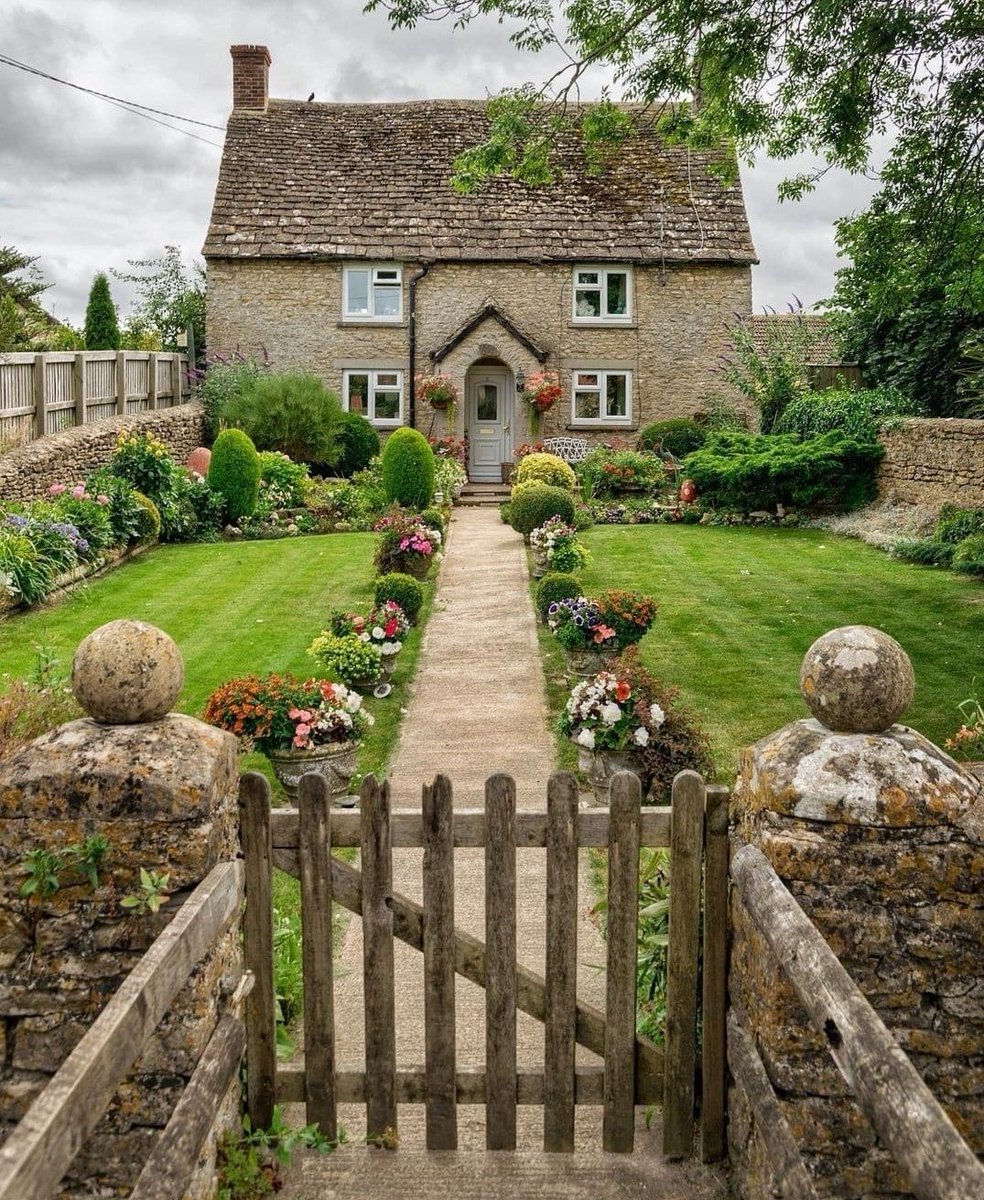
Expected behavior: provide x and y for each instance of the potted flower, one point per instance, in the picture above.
(541, 392)
(347, 658)
(440, 393)
(301, 726)
(407, 545)
(385, 628)
(556, 547)
(578, 626)
(630, 614)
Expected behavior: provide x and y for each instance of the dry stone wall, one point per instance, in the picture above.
(932, 461)
(27, 472)
(165, 796)
(880, 838)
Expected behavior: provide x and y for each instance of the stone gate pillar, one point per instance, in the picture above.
(880, 837)
(162, 789)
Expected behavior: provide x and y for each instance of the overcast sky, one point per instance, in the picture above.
(85, 185)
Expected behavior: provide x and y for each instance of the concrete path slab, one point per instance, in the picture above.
(478, 708)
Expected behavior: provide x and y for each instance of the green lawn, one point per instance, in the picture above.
(232, 607)
(739, 607)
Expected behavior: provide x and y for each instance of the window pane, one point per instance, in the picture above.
(357, 284)
(386, 301)
(587, 380)
(588, 277)
(387, 276)
(387, 406)
(586, 405)
(615, 395)
(488, 402)
(588, 302)
(358, 389)
(388, 379)
(618, 293)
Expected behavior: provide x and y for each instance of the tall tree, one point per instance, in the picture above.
(170, 297)
(102, 329)
(21, 283)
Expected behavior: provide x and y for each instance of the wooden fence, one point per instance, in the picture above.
(46, 393)
(906, 1115)
(45, 1142)
(635, 1071)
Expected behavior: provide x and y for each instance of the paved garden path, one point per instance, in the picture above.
(478, 707)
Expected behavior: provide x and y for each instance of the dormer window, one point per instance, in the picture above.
(602, 294)
(373, 293)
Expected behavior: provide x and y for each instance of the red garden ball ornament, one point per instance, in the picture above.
(688, 491)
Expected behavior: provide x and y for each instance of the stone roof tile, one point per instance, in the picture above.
(378, 177)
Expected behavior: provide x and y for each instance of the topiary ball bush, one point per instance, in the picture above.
(408, 469)
(531, 504)
(546, 468)
(148, 520)
(678, 436)
(968, 557)
(358, 441)
(555, 586)
(403, 590)
(234, 472)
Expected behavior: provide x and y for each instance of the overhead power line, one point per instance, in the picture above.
(131, 106)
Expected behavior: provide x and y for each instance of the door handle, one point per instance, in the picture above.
(505, 428)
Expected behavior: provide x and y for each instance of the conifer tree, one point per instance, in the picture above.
(102, 330)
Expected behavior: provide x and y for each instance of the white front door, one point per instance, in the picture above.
(488, 420)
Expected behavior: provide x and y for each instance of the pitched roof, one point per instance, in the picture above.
(372, 181)
(822, 345)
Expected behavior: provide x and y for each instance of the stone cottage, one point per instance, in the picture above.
(338, 246)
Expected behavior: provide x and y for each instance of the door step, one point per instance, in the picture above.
(482, 494)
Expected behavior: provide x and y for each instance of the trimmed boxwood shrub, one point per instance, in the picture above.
(747, 471)
(148, 523)
(408, 469)
(546, 468)
(969, 555)
(555, 586)
(401, 589)
(926, 553)
(955, 524)
(531, 504)
(235, 472)
(678, 436)
(358, 442)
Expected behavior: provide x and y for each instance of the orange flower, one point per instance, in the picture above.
(622, 691)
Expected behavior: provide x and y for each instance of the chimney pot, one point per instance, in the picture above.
(250, 76)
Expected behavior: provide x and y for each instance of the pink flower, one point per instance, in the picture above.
(299, 714)
(79, 491)
(102, 498)
(56, 489)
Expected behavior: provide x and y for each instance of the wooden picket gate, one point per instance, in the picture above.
(635, 1071)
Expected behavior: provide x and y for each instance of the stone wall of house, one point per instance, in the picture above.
(292, 309)
(28, 471)
(164, 793)
(880, 838)
(932, 461)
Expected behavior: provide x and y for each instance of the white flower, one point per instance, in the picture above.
(378, 632)
(641, 736)
(586, 738)
(364, 636)
(610, 713)
(353, 702)
(656, 715)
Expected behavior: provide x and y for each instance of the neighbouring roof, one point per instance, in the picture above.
(371, 181)
(822, 345)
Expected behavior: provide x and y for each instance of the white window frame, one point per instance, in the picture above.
(379, 277)
(601, 388)
(369, 412)
(602, 270)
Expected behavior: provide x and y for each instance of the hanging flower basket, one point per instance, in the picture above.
(541, 393)
(440, 393)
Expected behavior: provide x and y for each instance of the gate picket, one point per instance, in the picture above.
(261, 1013)
(561, 964)
(314, 851)
(500, 963)
(439, 986)
(378, 973)
(618, 1123)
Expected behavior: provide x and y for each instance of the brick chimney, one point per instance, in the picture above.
(250, 76)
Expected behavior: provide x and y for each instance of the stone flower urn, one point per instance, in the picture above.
(336, 761)
(601, 766)
(587, 662)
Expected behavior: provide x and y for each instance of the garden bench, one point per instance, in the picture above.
(570, 449)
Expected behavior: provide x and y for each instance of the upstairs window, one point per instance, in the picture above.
(602, 294)
(375, 395)
(373, 293)
(602, 397)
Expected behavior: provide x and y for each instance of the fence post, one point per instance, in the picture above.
(40, 395)
(78, 387)
(121, 383)
(877, 834)
(152, 380)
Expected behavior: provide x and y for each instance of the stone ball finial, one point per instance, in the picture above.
(857, 680)
(127, 673)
